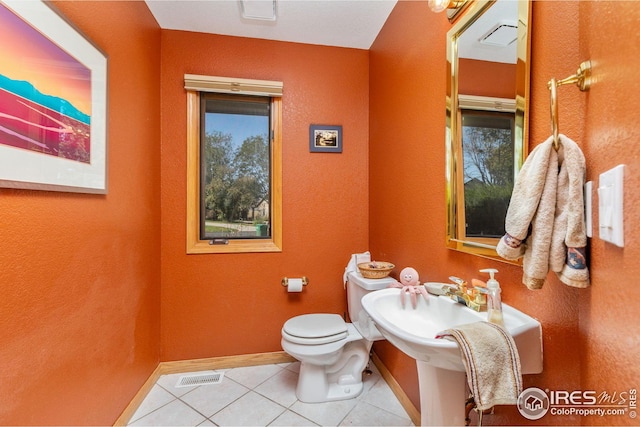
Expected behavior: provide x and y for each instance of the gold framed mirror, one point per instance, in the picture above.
(487, 120)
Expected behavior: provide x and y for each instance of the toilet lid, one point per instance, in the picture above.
(323, 327)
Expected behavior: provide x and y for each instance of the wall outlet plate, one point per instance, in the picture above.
(611, 206)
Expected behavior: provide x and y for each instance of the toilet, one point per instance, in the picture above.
(333, 353)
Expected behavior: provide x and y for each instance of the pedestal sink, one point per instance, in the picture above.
(440, 370)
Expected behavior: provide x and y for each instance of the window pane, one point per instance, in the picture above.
(487, 146)
(235, 160)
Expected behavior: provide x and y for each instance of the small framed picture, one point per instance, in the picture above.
(325, 139)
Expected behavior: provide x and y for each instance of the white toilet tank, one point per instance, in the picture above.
(358, 287)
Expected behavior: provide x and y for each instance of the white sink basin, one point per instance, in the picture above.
(413, 330)
(442, 379)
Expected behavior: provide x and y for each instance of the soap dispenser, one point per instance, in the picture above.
(494, 302)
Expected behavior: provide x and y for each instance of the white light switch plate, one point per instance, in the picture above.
(610, 205)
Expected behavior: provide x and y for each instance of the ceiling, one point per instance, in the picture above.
(502, 14)
(343, 23)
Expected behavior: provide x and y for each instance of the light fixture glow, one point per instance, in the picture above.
(438, 6)
(453, 7)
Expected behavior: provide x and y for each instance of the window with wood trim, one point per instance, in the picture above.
(234, 169)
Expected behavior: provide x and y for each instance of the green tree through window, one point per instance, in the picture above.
(235, 162)
(487, 145)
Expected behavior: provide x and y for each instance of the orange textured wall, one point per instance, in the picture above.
(79, 283)
(586, 342)
(484, 78)
(406, 155)
(230, 304)
(609, 315)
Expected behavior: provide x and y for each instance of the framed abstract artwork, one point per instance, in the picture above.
(53, 102)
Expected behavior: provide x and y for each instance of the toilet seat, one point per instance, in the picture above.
(315, 329)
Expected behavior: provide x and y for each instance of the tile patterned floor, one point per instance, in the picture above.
(265, 396)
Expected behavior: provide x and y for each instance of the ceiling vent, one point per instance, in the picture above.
(501, 35)
(262, 10)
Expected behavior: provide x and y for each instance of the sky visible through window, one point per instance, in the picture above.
(239, 125)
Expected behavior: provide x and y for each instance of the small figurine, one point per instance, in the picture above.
(409, 283)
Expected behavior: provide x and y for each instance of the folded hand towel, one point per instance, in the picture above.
(491, 361)
(353, 265)
(545, 219)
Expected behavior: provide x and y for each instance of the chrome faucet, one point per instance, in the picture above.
(458, 281)
(474, 298)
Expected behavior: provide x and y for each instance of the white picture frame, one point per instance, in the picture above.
(25, 166)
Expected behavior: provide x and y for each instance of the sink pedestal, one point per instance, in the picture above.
(442, 395)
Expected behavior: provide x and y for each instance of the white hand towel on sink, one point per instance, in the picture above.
(491, 361)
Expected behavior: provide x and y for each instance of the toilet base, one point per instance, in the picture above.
(339, 381)
(313, 386)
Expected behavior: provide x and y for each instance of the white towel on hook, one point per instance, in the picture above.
(545, 219)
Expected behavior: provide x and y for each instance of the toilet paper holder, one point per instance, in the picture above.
(285, 281)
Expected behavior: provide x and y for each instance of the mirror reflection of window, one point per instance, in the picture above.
(488, 153)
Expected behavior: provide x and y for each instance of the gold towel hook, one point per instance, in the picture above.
(582, 79)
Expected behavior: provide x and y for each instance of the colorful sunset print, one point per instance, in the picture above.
(45, 94)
